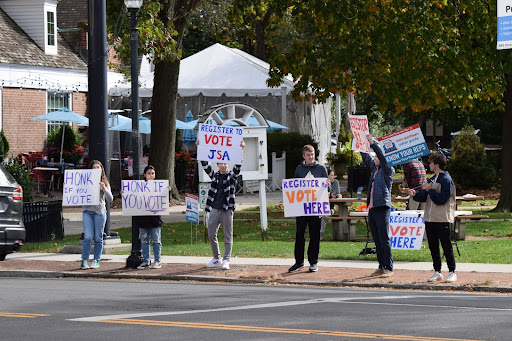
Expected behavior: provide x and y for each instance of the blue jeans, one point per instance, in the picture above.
(94, 224)
(378, 219)
(144, 235)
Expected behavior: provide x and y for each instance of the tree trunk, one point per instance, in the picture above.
(505, 203)
(163, 121)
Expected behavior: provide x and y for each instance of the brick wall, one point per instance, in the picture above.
(20, 105)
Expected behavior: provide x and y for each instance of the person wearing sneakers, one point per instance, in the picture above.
(93, 219)
(220, 205)
(149, 227)
(439, 195)
(379, 206)
(308, 168)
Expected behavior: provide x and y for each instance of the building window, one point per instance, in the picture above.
(50, 22)
(55, 101)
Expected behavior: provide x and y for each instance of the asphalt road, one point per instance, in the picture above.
(74, 309)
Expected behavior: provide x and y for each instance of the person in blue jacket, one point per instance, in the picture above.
(379, 206)
(309, 167)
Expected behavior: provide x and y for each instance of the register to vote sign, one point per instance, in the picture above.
(81, 187)
(305, 197)
(219, 144)
(406, 229)
(142, 197)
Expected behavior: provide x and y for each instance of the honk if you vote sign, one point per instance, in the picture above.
(140, 197)
(81, 187)
(305, 197)
(219, 144)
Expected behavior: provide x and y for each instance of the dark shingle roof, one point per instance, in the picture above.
(17, 47)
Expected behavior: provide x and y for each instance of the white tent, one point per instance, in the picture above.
(220, 74)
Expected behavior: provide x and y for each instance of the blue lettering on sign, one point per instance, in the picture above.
(407, 154)
(402, 242)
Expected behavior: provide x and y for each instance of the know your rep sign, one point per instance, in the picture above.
(404, 145)
(219, 144)
(305, 197)
(140, 197)
(81, 187)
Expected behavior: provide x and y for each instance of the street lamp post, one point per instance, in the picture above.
(133, 6)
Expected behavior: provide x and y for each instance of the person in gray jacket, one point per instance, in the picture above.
(308, 166)
(439, 195)
(379, 206)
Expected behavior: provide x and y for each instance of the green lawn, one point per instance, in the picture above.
(176, 239)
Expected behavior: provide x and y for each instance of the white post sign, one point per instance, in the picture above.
(404, 145)
(192, 208)
(219, 144)
(81, 187)
(504, 33)
(359, 127)
(305, 197)
(406, 229)
(203, 194)
(142, 197)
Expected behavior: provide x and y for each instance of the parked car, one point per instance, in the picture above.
(12, 230)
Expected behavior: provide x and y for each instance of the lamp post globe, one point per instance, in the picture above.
(135, 258)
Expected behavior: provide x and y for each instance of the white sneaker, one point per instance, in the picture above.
(213, 262)
(84, 265)
(156, 265)
(437, 276)
(144, 265)
(225, 264)
(452, 277)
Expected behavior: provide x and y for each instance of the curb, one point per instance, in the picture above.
(100, 275)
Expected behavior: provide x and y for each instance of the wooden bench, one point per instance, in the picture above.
(459, 228)
(345, 231)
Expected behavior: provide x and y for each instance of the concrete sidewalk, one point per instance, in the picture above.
(408, 275)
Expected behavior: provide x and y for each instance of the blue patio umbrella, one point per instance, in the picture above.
(63, 115)
(189, 135)
(144, 126)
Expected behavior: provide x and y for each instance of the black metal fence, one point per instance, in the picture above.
(43, 221)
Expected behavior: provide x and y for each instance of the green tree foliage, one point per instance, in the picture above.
(413, 56)
(468, 164)
(22, 176)
(4, 144)
(292, 144)
(71, 138)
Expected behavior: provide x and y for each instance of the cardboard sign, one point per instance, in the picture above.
(219, 144)
(142, 197)
(192, 208)
(406, 229)
(305, 197)
(359, 127)
(504, 29)
(404, 145)
(81, 187)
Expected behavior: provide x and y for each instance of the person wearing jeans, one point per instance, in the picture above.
(149, 228)
(379, 206)
(94, 218)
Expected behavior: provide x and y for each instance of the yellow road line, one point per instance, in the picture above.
(27, 315)
(276, 330)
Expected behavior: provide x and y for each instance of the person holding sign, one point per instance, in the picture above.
(439, 194)
(94, 218)
(221, 205)
(379, 206)
(308, 168)
(149, 227)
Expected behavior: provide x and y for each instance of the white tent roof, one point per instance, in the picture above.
(212, 72)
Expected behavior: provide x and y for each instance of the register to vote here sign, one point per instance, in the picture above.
(81, 187)
(219, 144)
(406, 229)
(404, 145)
(305, 197)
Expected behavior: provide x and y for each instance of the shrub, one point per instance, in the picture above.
(22, 175)
(4, 144)
(468, 164)
(292, 144)
(71, 138)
